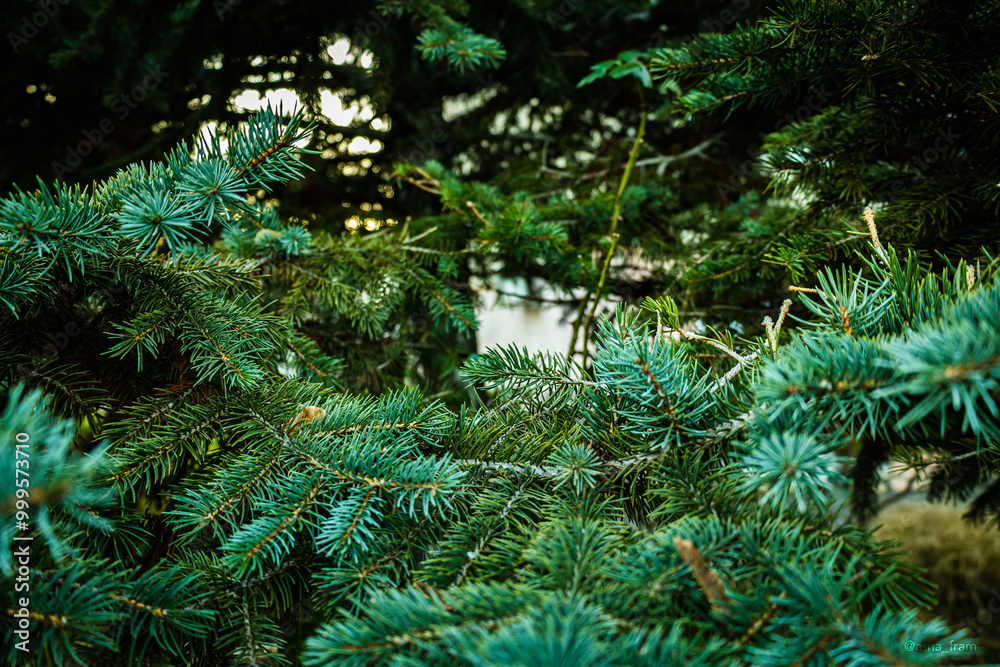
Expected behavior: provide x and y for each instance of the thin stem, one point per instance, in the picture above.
(733, 372)
(714, 343)
(475, 212)
(576, 325)
(613, 231)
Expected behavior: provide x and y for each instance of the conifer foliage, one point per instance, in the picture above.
(889, 104)
(642, 511)
(209, 485)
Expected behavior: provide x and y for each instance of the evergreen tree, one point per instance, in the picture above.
(646, 509)
(78, 67)
(87, 66)
(213, 477)
(889, 104)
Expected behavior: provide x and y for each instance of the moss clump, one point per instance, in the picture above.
(962, 558)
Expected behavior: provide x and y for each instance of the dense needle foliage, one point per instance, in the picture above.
(220, 473)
